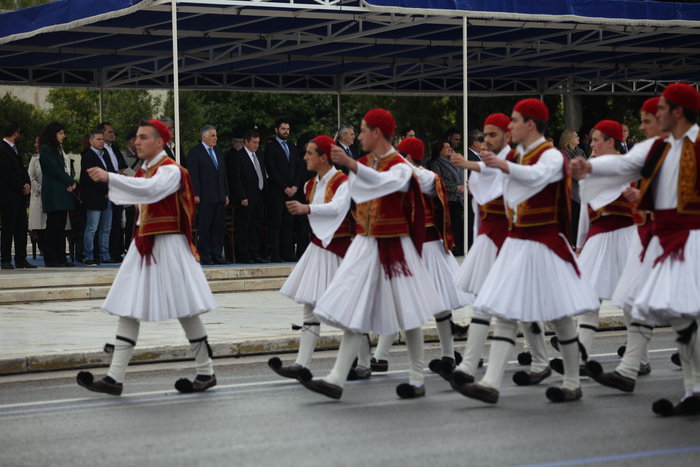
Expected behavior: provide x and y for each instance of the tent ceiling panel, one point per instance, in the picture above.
(380, 46)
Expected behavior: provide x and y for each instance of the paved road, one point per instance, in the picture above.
(255, 418)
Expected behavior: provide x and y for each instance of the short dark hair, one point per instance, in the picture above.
(250, 134)
(618, 144)
(280, 121)
(102, 125)
(405, 130)
(690, 115)
(451, 132)
(541, 125)
(9, 129)
(96, 131)
(474, 135)
(48, 136)
(156, 133)
(437, 147)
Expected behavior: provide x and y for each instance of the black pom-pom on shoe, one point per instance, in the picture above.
(184, 386)
(621, 351)
(458, 358)
(409, 391)
(663, 407)
(105, 385)
(676, 359)
(594, 368)
(274, 363)
(525, 358)
(85, 378)
(557, 394)
(555, 343)
(305, 375)
(557, 364)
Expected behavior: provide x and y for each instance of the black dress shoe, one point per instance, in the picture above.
(201, 383)
(67, 264)
(615, 380)
(26, 265)
(380, 366)
(275, 259)
(409, 391)
(6, 266)
(443, 366)
(292, 371)
(460, 378)
(479, 392)
(245, 261)
(323, 387)
(221, 261)
(112, 261)
(530, 378)
(105, 385)
(556, 394)
(688, 406)
(260, 259)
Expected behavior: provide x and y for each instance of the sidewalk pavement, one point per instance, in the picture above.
(55, 335)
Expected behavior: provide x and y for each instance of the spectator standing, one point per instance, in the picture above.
(37, 216)
(282, 163)
(133, 164)
(170, 146)
(98, 208)
(569, 144)
(207, 167)
(346, 140)
(440, 164)
(116, 234)
(14, 188)
(56, 188)
(247, 181)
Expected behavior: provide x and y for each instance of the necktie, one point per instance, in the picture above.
(213, 158)
(348, 152)
(257, 170)
(72, 168)
(107, 162)
(15, 149)
(286, 148)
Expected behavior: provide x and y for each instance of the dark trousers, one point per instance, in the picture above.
(248, 231)
(210, 226)
(281, 230)
(78, 220)
(55, 240)
(575, 213)
(116, 236)
(129, 225)
(457, 220)
(14, 226)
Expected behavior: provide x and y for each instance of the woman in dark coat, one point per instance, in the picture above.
(56, 188)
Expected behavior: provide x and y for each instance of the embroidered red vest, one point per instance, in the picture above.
(438, 207)
(173, 214)
(387, 216)
(688, 176)
(346, 227)
(551, 205)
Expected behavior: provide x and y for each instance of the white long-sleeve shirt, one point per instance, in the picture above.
(368, 184)
(325, 218)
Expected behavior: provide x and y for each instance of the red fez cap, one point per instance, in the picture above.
(533, 108)
(324, 144)
(682, 94)
(651, 106)
(412, 147)
(500, 120)
(162, 130)
(382, 119)
(610, 128)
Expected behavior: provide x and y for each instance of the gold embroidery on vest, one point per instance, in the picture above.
(687, 180)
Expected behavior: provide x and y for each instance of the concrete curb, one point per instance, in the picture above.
(245, 348)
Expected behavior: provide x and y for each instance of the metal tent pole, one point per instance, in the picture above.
(465, 118)
(176, 82)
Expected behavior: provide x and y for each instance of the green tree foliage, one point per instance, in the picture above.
(17, 4)
(30, 120)
(79, 111)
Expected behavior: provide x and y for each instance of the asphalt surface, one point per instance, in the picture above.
(253, 417)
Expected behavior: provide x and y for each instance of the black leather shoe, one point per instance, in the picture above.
(274, 259)
(409, 391)
(221, 261)
(292, 371)
(443, 366)
(67, 264)
(460, 378)
(530, 378)
(379, 366)
(615, 380)
(323, 387)
(112, 261)
(556, 394)
(264, 260)
(479, 392)
(105, 385)
(6, 266)
(26, 265)
(201, 383)
(358, 373)
(688, 406)
(644, 369)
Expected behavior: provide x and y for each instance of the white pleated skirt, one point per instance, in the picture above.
(311, 275)
(529, 282)
(631, 278)
(672, 288)
(603, 259)
(362, 299)
(477, 264)
(172, 286)
(442, 267)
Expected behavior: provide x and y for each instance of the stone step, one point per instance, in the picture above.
(93, 284)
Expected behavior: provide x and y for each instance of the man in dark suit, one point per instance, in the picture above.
(207, 168)
(98, 209)
(283, 168)
(116, 234)
(14, 188)
(247, 181)
(346, 139)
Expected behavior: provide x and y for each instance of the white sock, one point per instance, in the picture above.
(309, 337)
(689, 354)
(197, 335)
(587, 328)
(384, 343)
(478, 332)
(363, 355)
(636, 347)
(349, 346)
(565, 329)
(127, 335)
(537, 345)
(444, 330)
(502, 345)
(414, 345)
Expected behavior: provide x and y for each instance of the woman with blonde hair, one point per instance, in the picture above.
(568, 144)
